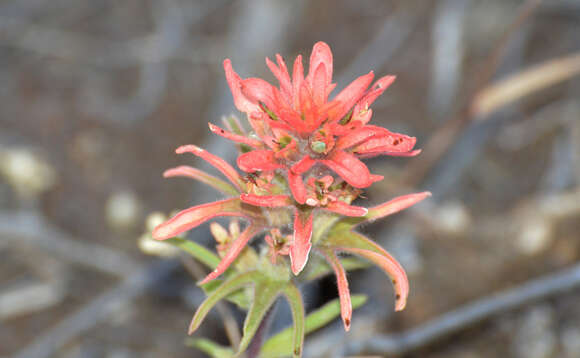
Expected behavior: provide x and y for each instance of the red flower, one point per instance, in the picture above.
(300, 127)
(297, 129)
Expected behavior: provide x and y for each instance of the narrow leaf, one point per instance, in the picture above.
(265, 293)
(198, 252)
(228, 287)
(279, 345)
(297, 307)
(209, 347)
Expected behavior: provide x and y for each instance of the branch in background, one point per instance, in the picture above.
(32, 229)
(524, 83)
(97, 310)
(468, 315)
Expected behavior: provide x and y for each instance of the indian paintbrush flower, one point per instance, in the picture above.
(302, 161)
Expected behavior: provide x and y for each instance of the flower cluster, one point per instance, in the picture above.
(303, 165)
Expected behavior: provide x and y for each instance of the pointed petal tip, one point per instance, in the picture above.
(210, 277)
(298, 262)
(299, 258)
(188, 148)
(346, 322)
(400, 304)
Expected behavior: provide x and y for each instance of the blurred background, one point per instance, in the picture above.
(96, 95)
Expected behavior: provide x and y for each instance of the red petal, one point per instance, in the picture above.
(263, 160)
(340, 207)
(194, 173)
(391, 268)
(257, 90)
(235, 248)
(297, 79)
(281, 74)
(349, 168)
(307, 107)
(216, 161)
(395, 205)
(343, 291)
(271, 201)
(384, 141)
(350, 95)
(194, 216)
(360, 135)
(321, 56)
(254, 143)
(297, 187)
(385, 151)
(300, 248)
(303, 165)
(318, 85)
(235, 82)
(378, 88)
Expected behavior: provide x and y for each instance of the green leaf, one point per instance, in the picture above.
(279, 345)
(210, 348)
(265, 293)
(231, 285)
(323, 221)
(198, 252)
(297, 307)
(239, 298)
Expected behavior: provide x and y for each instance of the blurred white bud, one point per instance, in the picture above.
(122, 210)
(534, 236)
(452, 218)
(153, 247)
(26, 172)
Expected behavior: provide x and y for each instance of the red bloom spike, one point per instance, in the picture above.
(340, 207)
(197, 215)
(349, 168)
(270, 201)
(235, 249)
(343, 291)
(254, 143)
(300, 248)
(216, 161)
(258, 160)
